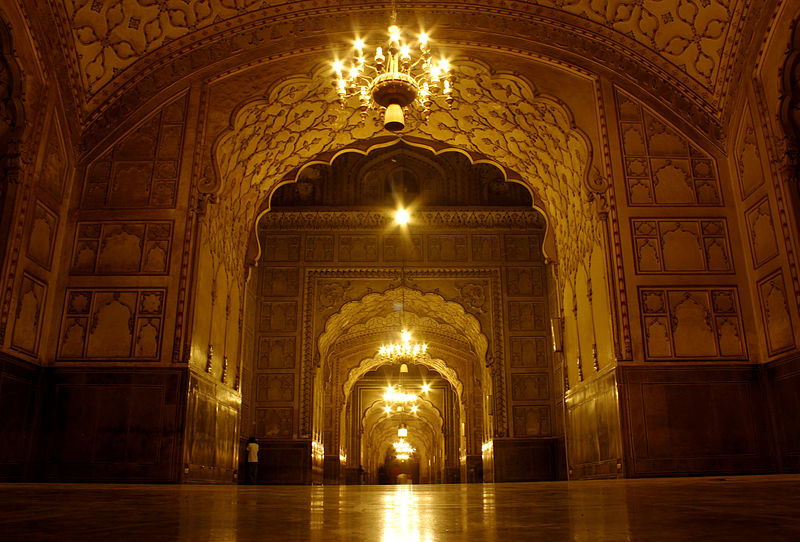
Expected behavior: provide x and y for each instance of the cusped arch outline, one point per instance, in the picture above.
(498, 115)
(370, 364)
(378, 304)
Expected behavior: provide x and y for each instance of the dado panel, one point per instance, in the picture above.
(692, 420)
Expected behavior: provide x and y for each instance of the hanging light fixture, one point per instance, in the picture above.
(395, 78)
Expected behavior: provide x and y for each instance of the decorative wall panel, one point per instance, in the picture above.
(529, 352)
(279, 282)
(523, 248)
(141, 171)
(694, 420)
(53, 172)
(531, 421)
(272, 388)
(447, 248)
(29, 315)
(132, 248)
(358, 248)
(486, 248)
(681, 246)
(276, 353)
(748, 157)
(281, 248)
(525, 281)
(397, 248)
(692, 323)
(530, 387)
(273, 422)
(42, 236)
(761, 232)
(319, 248)
(526, 316)
(662, 167)
(112, 324)
(775, 312)
(278, 316)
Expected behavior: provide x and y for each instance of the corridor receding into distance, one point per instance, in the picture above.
(400, 270)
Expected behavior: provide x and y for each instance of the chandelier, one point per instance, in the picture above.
(403, 449)
(404, 351)
(402, 75)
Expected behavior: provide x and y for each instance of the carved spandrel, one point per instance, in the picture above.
(661, 166)
(141, 171)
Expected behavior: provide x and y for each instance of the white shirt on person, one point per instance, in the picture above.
(252, 452)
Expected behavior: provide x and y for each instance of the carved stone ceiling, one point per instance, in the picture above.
(113, 41)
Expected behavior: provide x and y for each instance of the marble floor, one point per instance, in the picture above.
(734, 508)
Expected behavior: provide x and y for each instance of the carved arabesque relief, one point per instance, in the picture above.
(692, 323)
(141, 170)
(112, 324)
(110, 36)
(499, 116)
(662, 166)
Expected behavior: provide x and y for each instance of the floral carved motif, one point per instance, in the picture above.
(111, 35)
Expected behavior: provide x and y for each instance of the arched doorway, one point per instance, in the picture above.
(468, 276)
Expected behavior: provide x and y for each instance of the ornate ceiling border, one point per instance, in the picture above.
(539, 29)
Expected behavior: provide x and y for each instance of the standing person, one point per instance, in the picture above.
(252, 460)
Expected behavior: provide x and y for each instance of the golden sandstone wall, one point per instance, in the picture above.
(123, 263)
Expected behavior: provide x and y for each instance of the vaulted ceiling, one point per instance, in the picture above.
(683, 52)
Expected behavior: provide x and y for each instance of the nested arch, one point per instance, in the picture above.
(498, 115)
(426, 305)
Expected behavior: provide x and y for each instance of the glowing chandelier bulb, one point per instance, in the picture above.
(405, 351)
(402, 77)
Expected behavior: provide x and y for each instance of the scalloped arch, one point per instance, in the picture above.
(370, 364)
(425, 305)
(499, 115)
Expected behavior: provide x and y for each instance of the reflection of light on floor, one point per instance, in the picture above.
(402, 517)
(317, 508)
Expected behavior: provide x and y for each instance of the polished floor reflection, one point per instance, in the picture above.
(736, 508)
